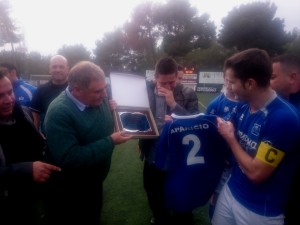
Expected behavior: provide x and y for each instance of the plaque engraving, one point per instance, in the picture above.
(137, 122)
(134, 122)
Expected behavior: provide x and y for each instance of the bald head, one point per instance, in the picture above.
(59, 69)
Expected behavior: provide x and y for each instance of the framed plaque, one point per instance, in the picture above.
(133, 113)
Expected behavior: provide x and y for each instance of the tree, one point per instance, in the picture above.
(27, 64)
(293, 47)
(210, 59)
(37, 64)
(111, 51)
(182, 30)
(140, 32)
(253, 25)
(174, 29)
(8, 30)
(75, 53)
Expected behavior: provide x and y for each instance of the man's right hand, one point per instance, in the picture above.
(120, 137)
(42, 171)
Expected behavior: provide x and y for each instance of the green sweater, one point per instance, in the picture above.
(79, 141)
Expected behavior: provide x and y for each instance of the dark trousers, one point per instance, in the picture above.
(73, 204)
(154, 186)
(292, 211)
(20, 208)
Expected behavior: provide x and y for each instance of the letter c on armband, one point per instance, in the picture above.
(269, 155)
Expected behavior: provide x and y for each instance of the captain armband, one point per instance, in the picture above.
(269, 155)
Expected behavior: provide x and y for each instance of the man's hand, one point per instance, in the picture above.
(226, 129)
(120, 137)
(112, 104)
(168, 94)
(168, 118)
(42, 171)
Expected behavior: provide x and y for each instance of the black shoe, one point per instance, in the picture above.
(152, 220)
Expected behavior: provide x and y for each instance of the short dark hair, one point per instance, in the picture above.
(180, 67)
(252, 63)
(288, 61)
(9, 66)
(165, 66)
(3, 72)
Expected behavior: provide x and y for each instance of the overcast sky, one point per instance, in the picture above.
(49, 24)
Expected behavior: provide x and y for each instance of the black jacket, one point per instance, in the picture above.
(20, 145)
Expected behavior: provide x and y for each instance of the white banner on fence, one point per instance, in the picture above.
(211, 78)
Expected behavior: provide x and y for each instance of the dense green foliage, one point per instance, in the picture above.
(172, 28)
(254, 25)
(8, 30)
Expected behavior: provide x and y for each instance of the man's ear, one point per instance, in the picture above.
(76, 90)
(250, 84)
(293, 77)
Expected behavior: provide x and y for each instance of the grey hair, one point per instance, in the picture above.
(83, 73)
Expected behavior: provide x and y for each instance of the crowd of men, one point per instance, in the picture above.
(57, 141)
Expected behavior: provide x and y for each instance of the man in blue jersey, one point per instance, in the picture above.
(285, 81)
(263, 139)
(224, 105)
(23, 91)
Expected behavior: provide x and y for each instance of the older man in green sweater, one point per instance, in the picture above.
(80, 133)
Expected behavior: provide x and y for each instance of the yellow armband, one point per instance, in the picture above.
(269, 155)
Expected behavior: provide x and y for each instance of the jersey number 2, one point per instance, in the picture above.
(192, 156)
